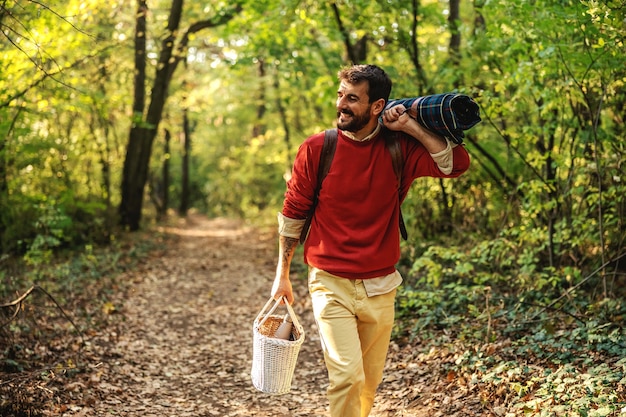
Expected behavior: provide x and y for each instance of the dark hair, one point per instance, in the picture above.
(379, 83)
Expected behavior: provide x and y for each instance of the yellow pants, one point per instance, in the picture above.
(355, 331)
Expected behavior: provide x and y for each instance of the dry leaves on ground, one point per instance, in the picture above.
(179, 343)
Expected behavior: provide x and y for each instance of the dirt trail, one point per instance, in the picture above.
(184, 346)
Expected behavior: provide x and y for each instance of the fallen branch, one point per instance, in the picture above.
(19, 302)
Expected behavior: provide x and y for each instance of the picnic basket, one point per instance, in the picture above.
(274, 360)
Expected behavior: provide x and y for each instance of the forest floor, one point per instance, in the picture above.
(178, 342)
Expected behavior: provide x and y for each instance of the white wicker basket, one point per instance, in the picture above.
(274, 360)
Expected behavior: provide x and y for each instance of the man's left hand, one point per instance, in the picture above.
(396, 117)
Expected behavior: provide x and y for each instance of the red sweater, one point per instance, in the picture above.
(354, 232)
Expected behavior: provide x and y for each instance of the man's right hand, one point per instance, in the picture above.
(282, 288)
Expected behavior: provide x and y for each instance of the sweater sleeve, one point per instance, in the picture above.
(444, 159)
(301, 186)
(450, 163)
(289, 227)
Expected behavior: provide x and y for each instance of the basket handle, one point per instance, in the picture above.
(292, 313)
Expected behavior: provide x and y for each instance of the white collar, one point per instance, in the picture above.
(366, 138)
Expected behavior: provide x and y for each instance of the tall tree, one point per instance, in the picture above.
(144, 128)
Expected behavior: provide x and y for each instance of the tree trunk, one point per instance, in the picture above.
(5, 217)
(356, 53)
(143, 131)
(3, 191)
(454, 51)
(258, 128)
(454, 17)
(184, 195)
(135, 175)
(3, 171)
(422, 84)
(165, 176)
(283, 113)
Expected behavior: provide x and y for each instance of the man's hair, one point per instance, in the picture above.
(379, 83)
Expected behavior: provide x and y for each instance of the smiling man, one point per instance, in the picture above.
(353, 243)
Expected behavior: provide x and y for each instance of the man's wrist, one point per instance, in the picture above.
(431, 141)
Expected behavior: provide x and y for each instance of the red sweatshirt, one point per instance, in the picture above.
(354, 231)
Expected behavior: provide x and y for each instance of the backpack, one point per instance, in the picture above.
(326, 158)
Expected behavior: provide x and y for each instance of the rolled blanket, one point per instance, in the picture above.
(447, 114)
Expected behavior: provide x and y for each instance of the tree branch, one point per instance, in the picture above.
(43, 6)
(18, 302)
(346, 35)
(587, 278)
(52, 75)
(223, 18)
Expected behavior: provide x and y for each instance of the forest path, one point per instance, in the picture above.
(184, 344)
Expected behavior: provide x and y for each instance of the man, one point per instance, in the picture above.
(354, 240)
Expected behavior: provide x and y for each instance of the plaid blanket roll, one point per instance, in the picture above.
(447, 114)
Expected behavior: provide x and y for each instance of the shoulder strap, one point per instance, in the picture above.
(393, 145)
(326, 159)
(328, 153)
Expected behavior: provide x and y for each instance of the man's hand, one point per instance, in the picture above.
(282, 288)
(396, 117)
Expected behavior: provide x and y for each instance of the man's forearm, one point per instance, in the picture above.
(431, 141)
(282, 284)
(287, 248)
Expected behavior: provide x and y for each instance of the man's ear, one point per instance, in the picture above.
(378, 106)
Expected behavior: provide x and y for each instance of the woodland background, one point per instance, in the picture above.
(114, 115)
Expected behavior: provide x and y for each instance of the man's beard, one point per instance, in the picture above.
(356, 123)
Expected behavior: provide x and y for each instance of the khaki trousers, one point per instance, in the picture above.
(355, 331)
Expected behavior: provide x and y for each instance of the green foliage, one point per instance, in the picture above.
(538, 319)
(528, 246)
(51, 227)
(565, 391)
(59, 225)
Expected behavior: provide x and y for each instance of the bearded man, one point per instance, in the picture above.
(353, 243)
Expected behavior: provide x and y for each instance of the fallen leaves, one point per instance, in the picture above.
(178, 342)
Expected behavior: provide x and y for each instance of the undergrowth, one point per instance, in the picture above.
(538, 341)
(64, 298)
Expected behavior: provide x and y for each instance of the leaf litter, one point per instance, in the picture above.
(177, 341)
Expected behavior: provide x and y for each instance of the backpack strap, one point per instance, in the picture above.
(326, 158)
(393, 145)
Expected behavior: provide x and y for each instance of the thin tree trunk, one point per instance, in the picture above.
(184, 197)
(5, 218)
(454, 17)
(455, 44)
(134, 175)
(165, 176)
(258, 128)
(357, 53)
(283, 113)
(423, 84)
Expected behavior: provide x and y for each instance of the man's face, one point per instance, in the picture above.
(353, 106)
